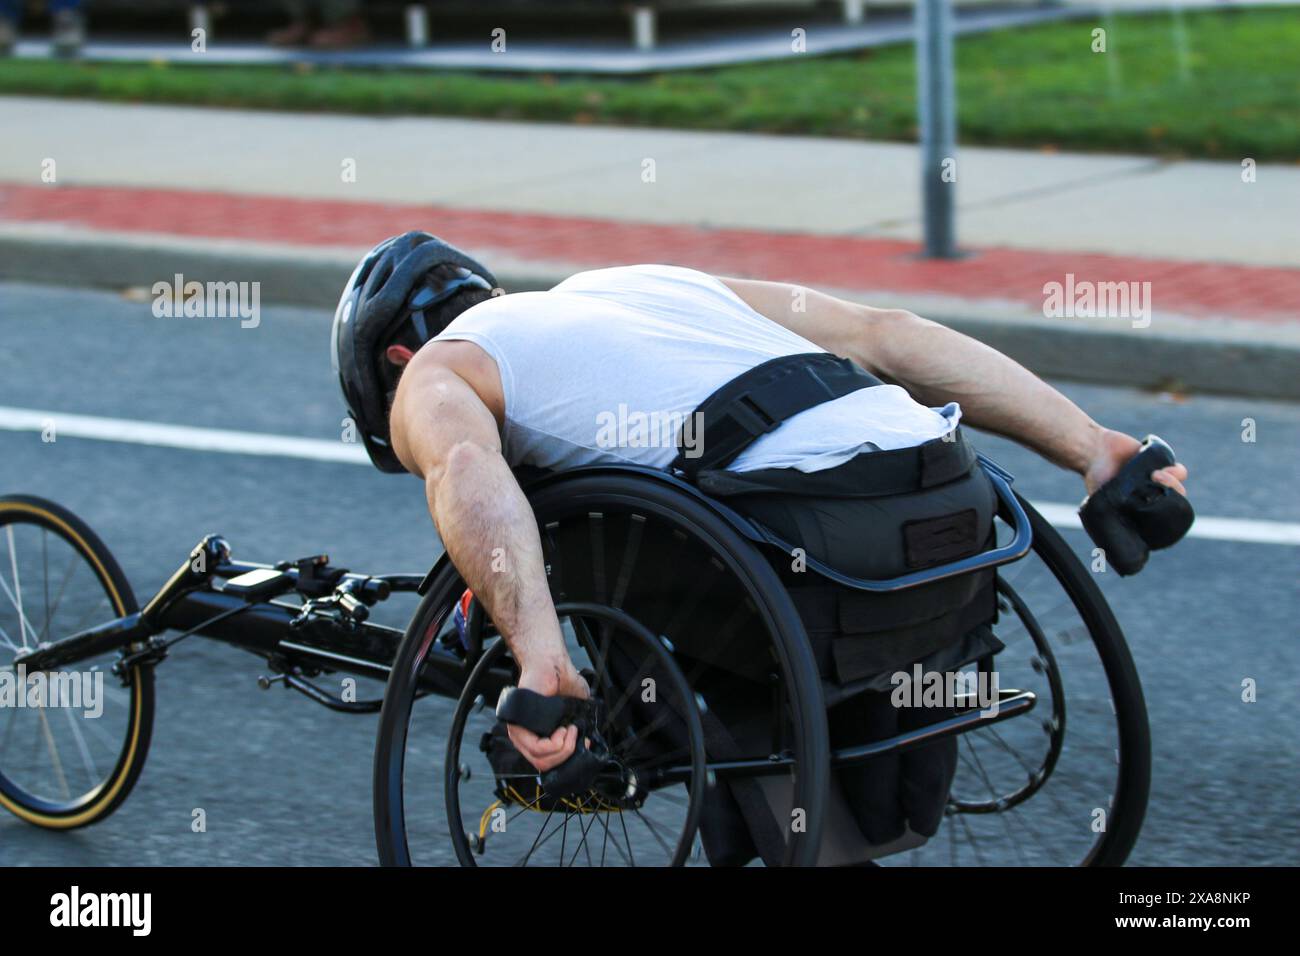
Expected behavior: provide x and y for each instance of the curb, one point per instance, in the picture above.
(1230, 357)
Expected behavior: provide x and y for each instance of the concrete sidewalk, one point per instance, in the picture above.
(1120, 205)
(144, 192)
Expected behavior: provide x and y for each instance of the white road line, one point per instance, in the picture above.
(1249, 530)
(1246, 530)
(181, 436)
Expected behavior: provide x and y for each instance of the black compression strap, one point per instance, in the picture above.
(757, 401)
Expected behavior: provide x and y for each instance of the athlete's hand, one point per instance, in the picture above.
(551, 679)
(1116, 448)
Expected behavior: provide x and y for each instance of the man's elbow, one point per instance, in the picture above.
(463, 461)
(465, 457)
(887, 321)
(879, 333)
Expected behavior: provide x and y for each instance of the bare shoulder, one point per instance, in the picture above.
(466, 361)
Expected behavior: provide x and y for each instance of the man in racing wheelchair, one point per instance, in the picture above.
(858, 460)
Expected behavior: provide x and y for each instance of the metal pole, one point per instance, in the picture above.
(937, 109)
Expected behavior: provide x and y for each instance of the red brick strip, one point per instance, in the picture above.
(1186, 288)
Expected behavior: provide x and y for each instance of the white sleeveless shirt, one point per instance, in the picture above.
(606, 367)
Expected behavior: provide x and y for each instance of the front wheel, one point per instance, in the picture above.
(72, 743)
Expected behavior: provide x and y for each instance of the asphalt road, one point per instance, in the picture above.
(285, 782)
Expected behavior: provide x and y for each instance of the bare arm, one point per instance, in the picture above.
(444, 433)
(937, 365)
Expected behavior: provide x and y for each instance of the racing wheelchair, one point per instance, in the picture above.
(1057, 772)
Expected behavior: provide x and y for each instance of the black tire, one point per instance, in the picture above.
(1133, 786)
(738, 563)
(95, 563)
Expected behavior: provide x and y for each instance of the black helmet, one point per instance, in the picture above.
(392, 284)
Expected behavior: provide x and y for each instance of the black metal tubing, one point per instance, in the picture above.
(150, 620)
(258, 629)
(91, 642)
(1017, 548)
(188, 602)
(1011, 703)
(369, 587)
(190, 576)
(365, 650)
(332, 701)
(1014, 550)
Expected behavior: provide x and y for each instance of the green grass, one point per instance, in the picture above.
(1040, 87)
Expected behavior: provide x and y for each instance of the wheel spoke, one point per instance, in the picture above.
(582, 828)
(1029, 828)
(73, 564)
(564, 837)
(654, 832)
(674, 798)
(94, 612)
(54, 753)
(9, 730)
(970, 836)
(1046, 615)
(605, 840)
(659, 720)
(1015, 754)
(9, 641)
(1000, 815)
(627, 839)
(703, 585)
(16, 595)
(45, 578)
(596, 532)
(538, 841)
(86, 760)
(631, 551)
(632, 686)
(978, 766)
(107, 743)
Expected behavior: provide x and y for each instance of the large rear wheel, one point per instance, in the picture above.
(684, 574)
(1066, 784)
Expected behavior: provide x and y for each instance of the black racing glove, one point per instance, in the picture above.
(1132, 515)
(543, 716)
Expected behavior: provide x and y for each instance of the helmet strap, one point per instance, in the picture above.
(422, 329)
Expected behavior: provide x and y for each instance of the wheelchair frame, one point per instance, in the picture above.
(329, 630)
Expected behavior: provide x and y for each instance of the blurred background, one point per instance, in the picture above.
(957, 159)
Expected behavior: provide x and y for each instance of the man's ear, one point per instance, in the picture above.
(399, 355)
